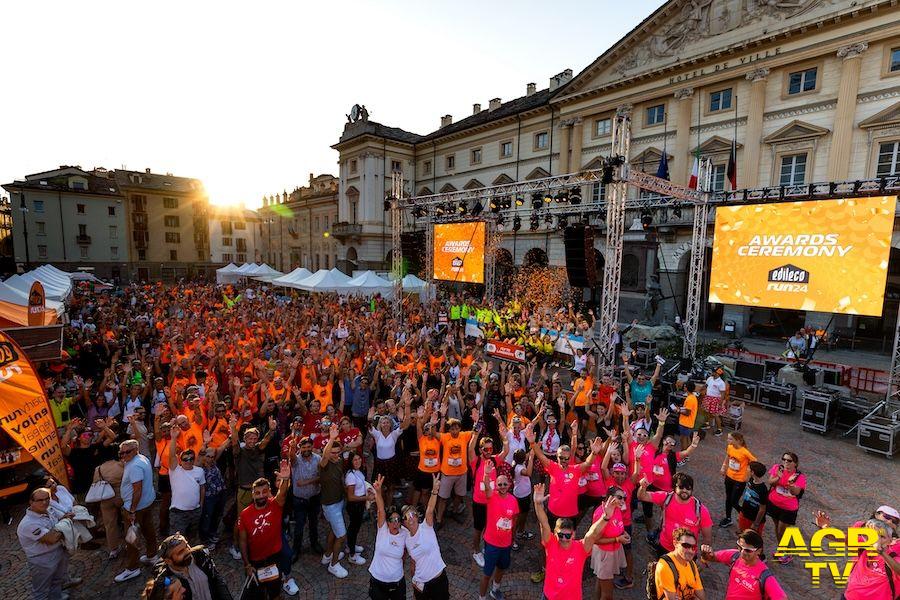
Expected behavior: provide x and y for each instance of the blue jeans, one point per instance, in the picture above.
(306, 510)
(211, 516)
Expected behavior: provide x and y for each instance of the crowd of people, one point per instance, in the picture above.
(187, 416)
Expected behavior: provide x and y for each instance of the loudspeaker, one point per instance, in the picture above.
(412, 245)
(581, 266)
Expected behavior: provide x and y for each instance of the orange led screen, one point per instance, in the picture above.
(824, 255)
(459, 252)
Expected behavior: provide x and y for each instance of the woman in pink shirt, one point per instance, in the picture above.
(617, 477)
(608, 555)
(787, 487)
(748, 571)
(564, 554)
(876, 573)
(643, 449)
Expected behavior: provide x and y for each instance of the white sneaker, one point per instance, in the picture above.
(127, 574)
(235, 553)
(148, 560)
(337, 570)
(358, 549)
(290, 587)
(326, 558)
(478, 557)
(356, 559)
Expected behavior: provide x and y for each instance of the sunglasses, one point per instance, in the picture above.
(619, 497)
(394, 520)
(688, 546)
(893, 520)
(681, 487)
(746, 549)
(187, 458)
(564, 535)
(502, 484)
(790, 460)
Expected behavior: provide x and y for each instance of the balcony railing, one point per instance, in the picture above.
(82, 240)
(344, 229)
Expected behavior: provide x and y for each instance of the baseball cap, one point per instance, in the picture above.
(889, 511)
(619, 467)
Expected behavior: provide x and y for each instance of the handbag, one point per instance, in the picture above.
(100, 490)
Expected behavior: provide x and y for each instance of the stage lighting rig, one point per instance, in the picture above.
(462, 208)
(575, 196)
(517, 223)
(476, 210)
(563, 221)
(495, 204)
(535, 222)
(646, 219)
(562, 196)
(548, 219)
(520, 200)
(537, 199)
(388, 202)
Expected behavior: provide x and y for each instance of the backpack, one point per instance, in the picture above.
(652, 593)
(763, 577)
(668, 500)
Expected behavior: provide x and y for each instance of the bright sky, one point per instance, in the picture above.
(249, 97)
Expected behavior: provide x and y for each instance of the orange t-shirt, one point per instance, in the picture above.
(429, 454)
(583, 396)
(218, 432)
(455, 450)
(322, 393)
(306, 379)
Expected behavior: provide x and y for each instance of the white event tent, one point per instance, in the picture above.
(291, 278)
(369, 283)
(227, 274)
(325, 281)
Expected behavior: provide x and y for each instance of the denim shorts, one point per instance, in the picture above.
(334, 514)
(496, 558)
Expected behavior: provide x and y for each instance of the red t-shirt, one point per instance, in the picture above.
(743, 580)
(349, 436)
(478, 487)
(501, 514)
(263, 527)
(662, 475)
(679, 514)
(563, 490)
(627, 487)
(562, 565)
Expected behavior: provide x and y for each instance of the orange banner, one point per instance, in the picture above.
(824, 255)
(25, 410)
(36, 304)
(459, 252)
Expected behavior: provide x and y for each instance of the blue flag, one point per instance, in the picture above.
(663, 171)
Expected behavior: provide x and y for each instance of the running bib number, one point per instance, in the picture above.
(783, 491)
(454, 462)
(658, 470)
(734, 465)
(582, 481)
(431, 462)
(504, 524)
(265, 574)
(593, 476)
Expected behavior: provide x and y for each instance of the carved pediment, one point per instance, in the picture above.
(595, 164)
(681, 30)
(650, 156)
(352, 191)
(425, 191)
(887, 117)
(502, 179)
(473, 184)
(447, 187)
(795, 131)
(717, 144)
(538, 173)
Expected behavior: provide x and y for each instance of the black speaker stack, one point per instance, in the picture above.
(581, 265)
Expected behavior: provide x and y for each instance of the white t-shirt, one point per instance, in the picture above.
(386, 446)
(387, 564)
(515, 444)
(580, 362)
(521, 483)
(186, 487)
(357, 480)
(715, 387)
(423, 548)
(131, 405)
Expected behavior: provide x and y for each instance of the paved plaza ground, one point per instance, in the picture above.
(843, 480)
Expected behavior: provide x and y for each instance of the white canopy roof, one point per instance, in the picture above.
(325, 281)
(229, 268)
(246, 269)
(370, 283)
(412, 283)
(265, 270)
(54, 289)
(14, 306)
(293, 277)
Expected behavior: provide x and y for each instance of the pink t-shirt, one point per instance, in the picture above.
(501, 516)
(679, 514)
(594, 475)
(563, 490)
(743, 581)
(780, 496)
(561, 564)
(478, 487)
(627, 487)
(661, 474)
(614, 528)
(868, 580)
(646, 468)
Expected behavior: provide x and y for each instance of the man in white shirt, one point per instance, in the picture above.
(188, 488)
(48, 561)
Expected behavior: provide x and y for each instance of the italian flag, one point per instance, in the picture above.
(695, 170)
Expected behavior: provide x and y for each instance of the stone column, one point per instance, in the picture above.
(683, 112)
(753, 132)
(564, 146)
(842, 137)
(577, 143)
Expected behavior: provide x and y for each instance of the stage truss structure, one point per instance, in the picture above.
(617, 175)
(396, 246)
